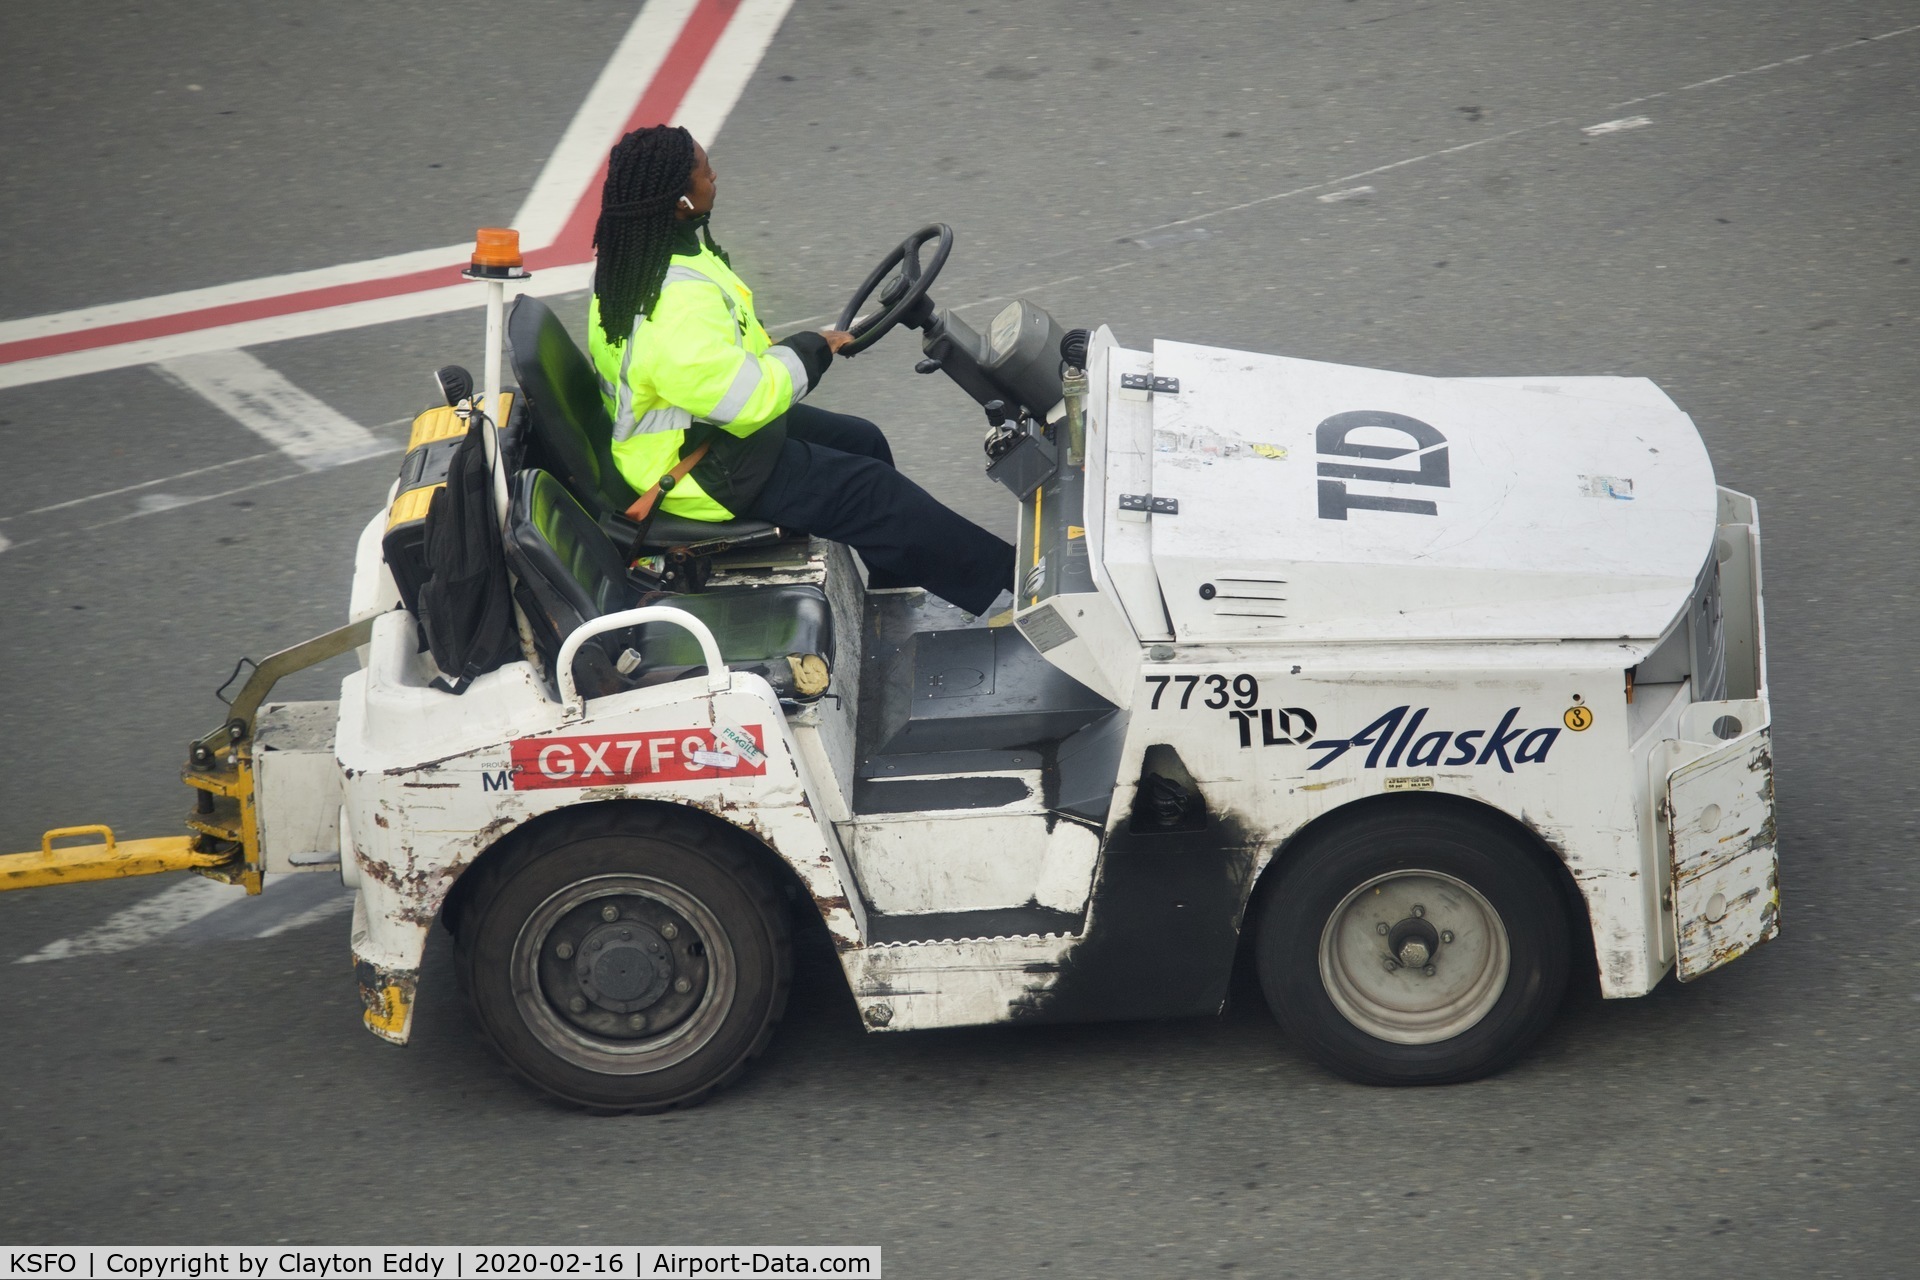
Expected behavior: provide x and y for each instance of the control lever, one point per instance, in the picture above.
(928, 365)
(1001, 435)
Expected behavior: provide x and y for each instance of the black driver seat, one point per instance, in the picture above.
(569, 571)
(570, 435)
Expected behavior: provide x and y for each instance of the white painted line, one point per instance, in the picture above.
(331, 907)
(1318, 186)
(576, 160)
(1616, 126)
(1179, 235)
(300, 324)
(176, 505)
(168, 304)
(1351, 193)
(202, 497)
(144, 484)
(753, 14)
(307, 430)
(715, 91)
(288, 902)
(566, 178)
(639, 65)
(170, 909)
(5, 542)
(1773, 66)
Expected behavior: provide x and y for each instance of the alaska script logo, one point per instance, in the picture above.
(1428, 450)
(1419, 750)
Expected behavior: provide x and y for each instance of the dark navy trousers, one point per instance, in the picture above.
(836, 480)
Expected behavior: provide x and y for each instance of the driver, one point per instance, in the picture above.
(706, 407)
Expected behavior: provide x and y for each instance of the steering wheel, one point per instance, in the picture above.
(904, 294)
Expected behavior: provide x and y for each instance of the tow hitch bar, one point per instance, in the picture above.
(224, 832)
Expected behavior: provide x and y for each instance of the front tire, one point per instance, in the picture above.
(1414, 944)
(626, 959)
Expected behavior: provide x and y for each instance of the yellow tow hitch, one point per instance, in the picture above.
(225, 839)
(108, 860)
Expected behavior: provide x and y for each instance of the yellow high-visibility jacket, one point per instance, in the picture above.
(700, 367)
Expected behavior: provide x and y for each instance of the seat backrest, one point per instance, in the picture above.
(569, 571)
(568, 431)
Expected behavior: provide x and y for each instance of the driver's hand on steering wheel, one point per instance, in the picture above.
(836, 339)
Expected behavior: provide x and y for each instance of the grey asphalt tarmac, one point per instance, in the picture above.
(1167, 168)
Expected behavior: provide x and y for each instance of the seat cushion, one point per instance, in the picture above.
(752, 625)
(668, 530)
(568, 570)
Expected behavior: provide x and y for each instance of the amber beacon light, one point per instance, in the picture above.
(496, 255)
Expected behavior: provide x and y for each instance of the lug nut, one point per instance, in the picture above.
(595, 944)
(1446, 935)
(638, 1022)
(683, 985)
(609, 913)
(564, 951)
(1392, 964)
(577, 1004)
(654, 947)
(1428, 971)
(626, 934)
(669, 932)
(1418, 913)
(1382, 929)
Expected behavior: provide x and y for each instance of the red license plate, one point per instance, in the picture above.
(617, 759)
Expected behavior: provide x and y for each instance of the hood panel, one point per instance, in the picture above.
(1329, 502)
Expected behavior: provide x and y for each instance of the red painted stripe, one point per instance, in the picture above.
(108, 335)
(657, 104)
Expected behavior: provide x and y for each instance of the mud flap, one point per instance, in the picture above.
(1720, 836)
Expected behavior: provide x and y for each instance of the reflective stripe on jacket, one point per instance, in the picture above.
(701, 356)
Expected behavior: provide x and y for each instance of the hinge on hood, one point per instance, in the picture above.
(1148, 503)
(1149, 383)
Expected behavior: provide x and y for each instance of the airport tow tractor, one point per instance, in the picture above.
(1417, 692)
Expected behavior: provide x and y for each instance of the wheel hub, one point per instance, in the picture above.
(1413, 942)
(1414, 957)
(624, 967)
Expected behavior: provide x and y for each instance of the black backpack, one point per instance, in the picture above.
(466, 607)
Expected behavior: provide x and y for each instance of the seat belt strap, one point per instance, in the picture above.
(643, 505)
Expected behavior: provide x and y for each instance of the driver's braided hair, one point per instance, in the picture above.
(647, 173)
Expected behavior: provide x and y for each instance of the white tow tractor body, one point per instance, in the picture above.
(1409, 691)
(1278, 604)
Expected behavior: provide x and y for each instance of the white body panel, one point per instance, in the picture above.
(908, 863)
(1480, 651)
(297, 786)
(432, 781)
(1521, 514)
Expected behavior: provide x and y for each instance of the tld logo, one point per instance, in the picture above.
(1428, 450)
(1279, 726)
(1530, 746)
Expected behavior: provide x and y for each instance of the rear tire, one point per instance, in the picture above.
(626, 958)
(1414, 944)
